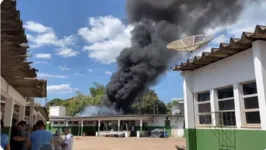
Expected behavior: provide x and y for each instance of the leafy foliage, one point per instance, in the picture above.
(170, 106)
(149, 103)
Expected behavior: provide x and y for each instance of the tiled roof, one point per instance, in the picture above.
(225, 50)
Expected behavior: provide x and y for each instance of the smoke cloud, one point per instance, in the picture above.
(97, 111)
(156, 23)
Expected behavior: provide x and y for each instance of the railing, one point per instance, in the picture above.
(222, 124)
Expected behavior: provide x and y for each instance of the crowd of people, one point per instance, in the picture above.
(24, 137)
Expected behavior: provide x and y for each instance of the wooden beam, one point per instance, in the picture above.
(14, 51)
(13, 31)
(17, 73)
(11, 44)
(6, 15)
(15, 39)
(11, 24)
(8, 4)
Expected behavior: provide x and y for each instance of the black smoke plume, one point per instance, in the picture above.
(156, 23)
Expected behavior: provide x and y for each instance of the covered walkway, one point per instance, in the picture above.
(18, 80)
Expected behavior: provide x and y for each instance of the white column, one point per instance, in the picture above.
(81, 130)
(140, 122)
(118, 124)
(189, 100)
(214, 107)
(238, 106)
(21, 112)
(66, 123)
(99, 125)
(8, 112)
(259, 56)
(31, 121)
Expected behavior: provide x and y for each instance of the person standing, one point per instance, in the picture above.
(39, 137)
(68, 141)
(58, 140)
(17, 140)
(4, 139)
(26, 135)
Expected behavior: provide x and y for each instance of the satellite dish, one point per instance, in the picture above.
(190, 43)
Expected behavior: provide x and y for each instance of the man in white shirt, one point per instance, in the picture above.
(68, 141)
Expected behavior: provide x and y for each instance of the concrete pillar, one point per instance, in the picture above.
(118, 125)
(31, 121)
(190, 116)
(140, 122)
(8, 114)
(81, 130)
(99, 125)
(214, 107)
(238, 106)
(259, 56)
(189, 100)
(22, 109)
(66, 123)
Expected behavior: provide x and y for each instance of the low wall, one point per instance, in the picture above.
(212, 139)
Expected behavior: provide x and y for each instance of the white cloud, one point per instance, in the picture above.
(108, 72)
(43, 56)
(45, 75)
(89, 70)
(64, 68)
(37, 27)
(45, 36)
(106, 36)
(40, 62)
(61, 88)
(220, 39)
(66, 52)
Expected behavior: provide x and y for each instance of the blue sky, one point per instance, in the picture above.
(74, 43)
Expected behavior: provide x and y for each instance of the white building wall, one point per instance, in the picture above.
(57, 111)
(242, 67)
(235, 69)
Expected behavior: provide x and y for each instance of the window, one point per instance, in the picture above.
(204, 108)
(55, 122)
(226, 106)
(61, 122)
(251, 104)
(76, 122)
(69, 122)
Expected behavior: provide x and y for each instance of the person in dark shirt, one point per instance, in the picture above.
(17, 140)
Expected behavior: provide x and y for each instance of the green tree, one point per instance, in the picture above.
(97, 93)
(170, 106)
(56, 102)
(149, 103)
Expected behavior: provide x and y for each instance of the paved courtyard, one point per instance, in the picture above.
(102, 143)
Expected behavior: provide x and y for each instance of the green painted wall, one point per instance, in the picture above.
(221, 139)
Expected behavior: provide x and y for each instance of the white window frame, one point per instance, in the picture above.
(225, 99)
(243, 110)
(197, 103)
